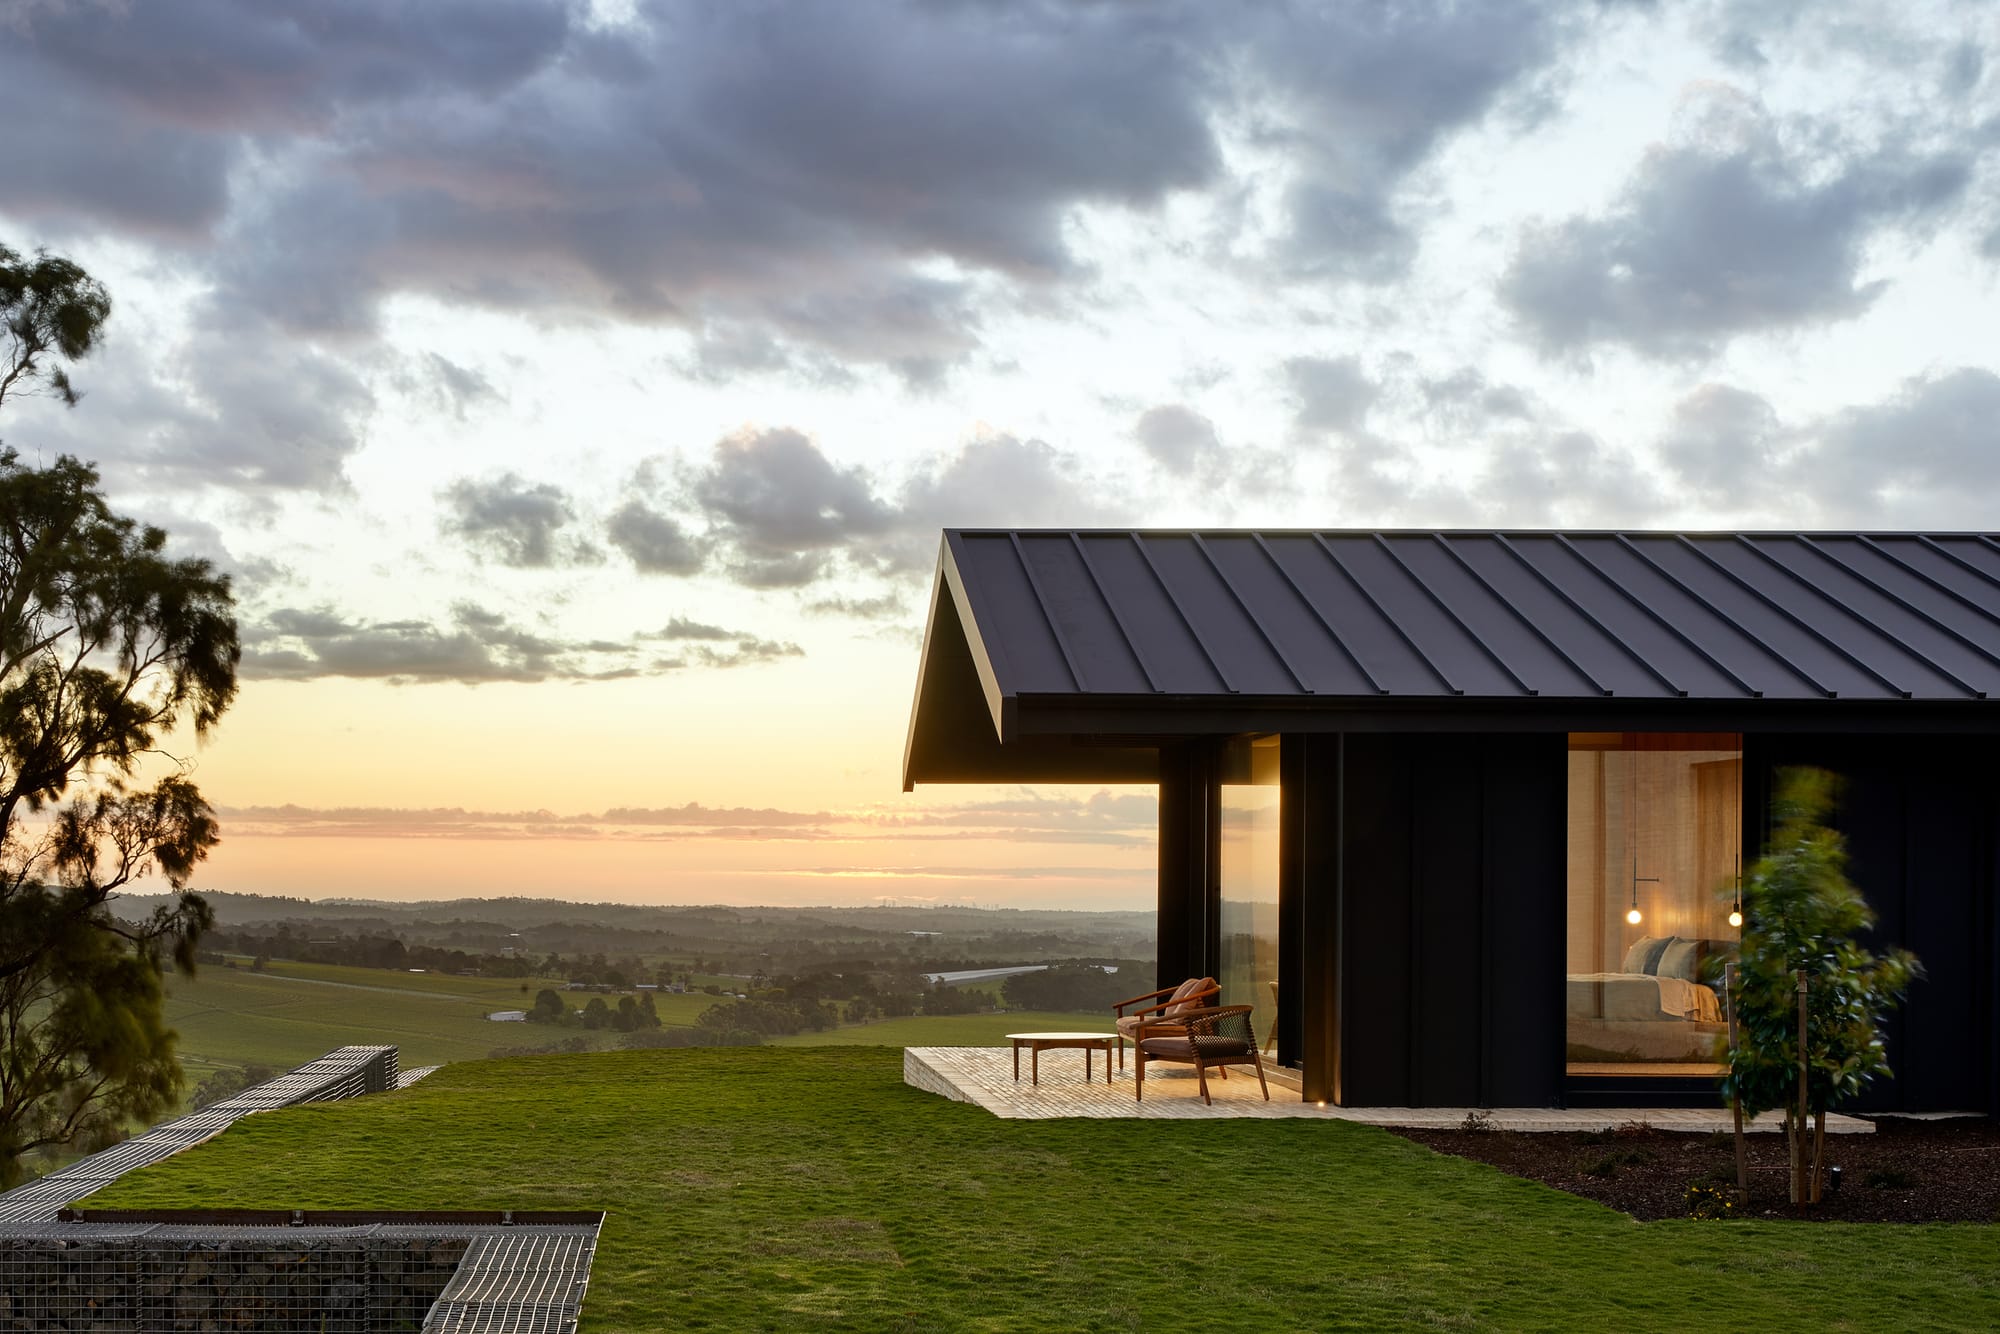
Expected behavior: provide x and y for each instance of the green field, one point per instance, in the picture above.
(293, 1012)
(775, 1189)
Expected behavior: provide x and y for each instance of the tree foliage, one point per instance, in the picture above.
(52, 312)
(1801, 917)
(107, 646)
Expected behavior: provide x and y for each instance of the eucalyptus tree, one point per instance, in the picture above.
(110, 649)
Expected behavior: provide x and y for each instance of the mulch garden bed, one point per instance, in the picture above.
(1906, 1172)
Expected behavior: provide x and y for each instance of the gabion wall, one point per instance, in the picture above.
(276, 1283)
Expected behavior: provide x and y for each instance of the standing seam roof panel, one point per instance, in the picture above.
(1431, 626)
(1011, 621)
(1081, 614)
(1428, 615)
(1228, 631)
(1953, 621)
(1786, 642)
(1879, 633)
(1309, 644)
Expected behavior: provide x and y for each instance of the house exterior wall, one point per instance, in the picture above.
(1423, 896)
(1919, 815)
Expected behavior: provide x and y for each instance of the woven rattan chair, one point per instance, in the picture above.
(1158, 1013)
(1217, 1037)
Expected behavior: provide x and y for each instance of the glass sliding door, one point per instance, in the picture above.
(1655, 856)
(1249, 856)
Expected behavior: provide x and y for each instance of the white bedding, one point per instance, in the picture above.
(1640, 996)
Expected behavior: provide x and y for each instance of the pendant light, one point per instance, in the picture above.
(1633, 916)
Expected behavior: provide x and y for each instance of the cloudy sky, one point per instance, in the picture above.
(575, 391)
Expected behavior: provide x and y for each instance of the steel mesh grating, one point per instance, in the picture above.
(462, 1318)
(146, 1276)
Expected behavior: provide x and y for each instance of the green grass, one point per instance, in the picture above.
(295, 1012)
(774, 1189)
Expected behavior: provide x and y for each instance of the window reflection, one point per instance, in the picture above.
(1249, 856)
(1655, 827)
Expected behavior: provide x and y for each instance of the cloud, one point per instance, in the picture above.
(707, 166)
(653, 541)
(234, 409)
(998, 481)
(1722, 443)
(1726, 232)
(1177, 437)
(477, 645)
(518, 523)
(1925, 457)
(625, 823)
(782, 509)
(1103, 819)
(1331, 393)
(715, 646)
(884, 607)
(1361, 95)
(457, 387)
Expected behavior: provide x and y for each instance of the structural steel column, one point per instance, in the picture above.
(1189, 863)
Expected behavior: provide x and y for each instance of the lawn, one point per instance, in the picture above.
(784, 1189)
(295, 1012)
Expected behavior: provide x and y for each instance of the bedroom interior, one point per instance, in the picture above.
(1655, 853)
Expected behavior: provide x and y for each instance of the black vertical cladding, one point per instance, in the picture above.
(1526, 878)
(1452, 948)
(1447, 855)
(1375, 940)
(1181, 859)
(1917, 816)
(1316, 991)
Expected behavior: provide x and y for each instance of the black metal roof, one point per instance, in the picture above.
(1071, 631)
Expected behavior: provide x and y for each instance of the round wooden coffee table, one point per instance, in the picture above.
(1037, 1043)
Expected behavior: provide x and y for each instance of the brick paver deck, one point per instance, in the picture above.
(984, 1077)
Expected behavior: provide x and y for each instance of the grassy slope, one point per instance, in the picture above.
(297, 1011)
(766, 1189)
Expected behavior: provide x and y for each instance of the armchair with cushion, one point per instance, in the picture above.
(1217, 1037)
(1158, 1013)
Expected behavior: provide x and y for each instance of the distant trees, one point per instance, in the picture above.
(229, 1081)
(107, 645)
(1068, 986)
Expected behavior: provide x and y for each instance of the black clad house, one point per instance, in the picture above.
(1464, 811)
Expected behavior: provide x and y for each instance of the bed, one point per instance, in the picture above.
(1654, 1009)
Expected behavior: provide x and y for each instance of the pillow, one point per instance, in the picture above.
(1681, 958)
(1644, 956)
(1179, 1002)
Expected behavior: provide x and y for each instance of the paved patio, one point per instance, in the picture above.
(984, 1076)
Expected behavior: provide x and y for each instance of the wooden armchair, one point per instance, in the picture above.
(1217, 1037)
(1158, 1013)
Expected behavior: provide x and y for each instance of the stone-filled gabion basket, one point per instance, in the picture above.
(277, 1283)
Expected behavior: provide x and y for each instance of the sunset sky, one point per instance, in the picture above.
(575, 391)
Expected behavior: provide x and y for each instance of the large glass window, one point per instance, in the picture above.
(1655, 856)
(1249, 833)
